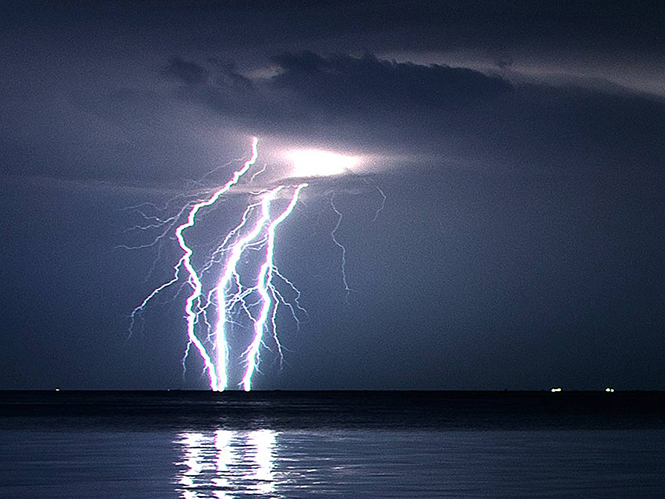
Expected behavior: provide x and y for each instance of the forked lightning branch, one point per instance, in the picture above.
(238, 294)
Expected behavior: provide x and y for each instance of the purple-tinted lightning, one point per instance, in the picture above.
(230, 271)
(333, 234)
(245, 287)
(253, 232)
(186, 261)
(265, 290)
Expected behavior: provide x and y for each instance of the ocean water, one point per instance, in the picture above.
(291, 445)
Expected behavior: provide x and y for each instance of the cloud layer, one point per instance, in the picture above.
(430, 113)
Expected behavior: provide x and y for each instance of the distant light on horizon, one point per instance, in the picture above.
(609, 389)
(319, 163)
(556, 389)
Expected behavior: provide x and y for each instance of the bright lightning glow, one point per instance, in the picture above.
(193, 278)
(317, 163)
(220, 290)
(186, 261)
(243, 268)
(264, 280)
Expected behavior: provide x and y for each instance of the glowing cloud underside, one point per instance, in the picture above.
(231, 295)
(317, 163)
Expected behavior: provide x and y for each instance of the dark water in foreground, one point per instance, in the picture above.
(331, 444)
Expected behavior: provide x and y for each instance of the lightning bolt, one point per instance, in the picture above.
(229, 293)
(239, 289)
(186, 262)
(333, 234)
(266, 291)
(229, 273)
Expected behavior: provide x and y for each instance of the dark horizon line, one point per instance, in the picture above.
(186, 390)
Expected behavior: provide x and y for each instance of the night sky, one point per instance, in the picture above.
(520, 146)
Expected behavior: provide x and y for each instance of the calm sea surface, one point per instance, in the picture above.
(290, 445)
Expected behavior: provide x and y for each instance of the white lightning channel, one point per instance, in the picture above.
(193, 278)
(333, 234)
(264, 279)
(229, 294)
(220, 289)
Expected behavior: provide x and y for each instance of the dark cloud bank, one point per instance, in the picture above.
(434, 112)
